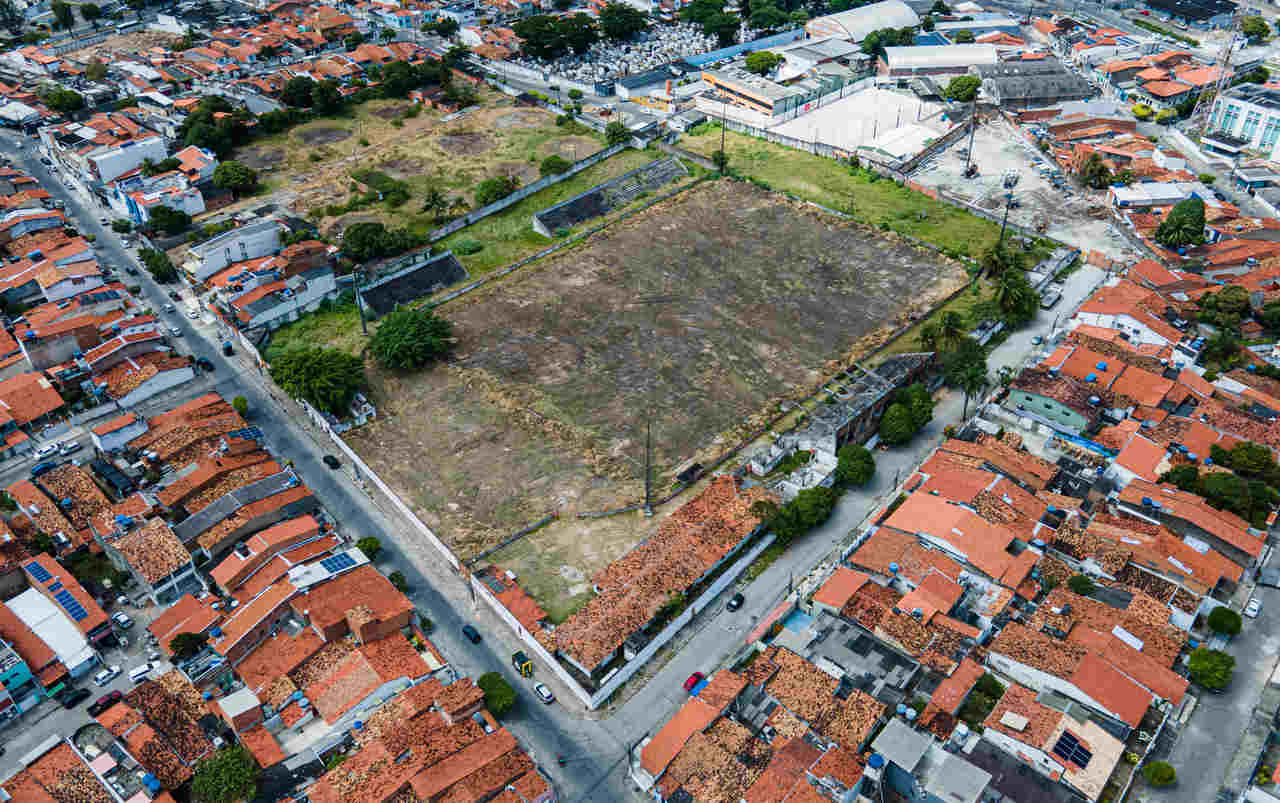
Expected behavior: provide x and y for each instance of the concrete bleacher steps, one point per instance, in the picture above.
(610, 195)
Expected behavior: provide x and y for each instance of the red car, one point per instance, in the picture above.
(104, 702)
(694, 680)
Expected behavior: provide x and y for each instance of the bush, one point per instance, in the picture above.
(327, 378)
(1160, 773)
(407, 339)
(364, 142)
(468, 247)
(121, 226)
(554, 165)
(1081, 585)
(1143, 112)
(370, 545)
(186, 645)
(397, 580)
(227, 776)
(499, 697)
(241, 405)
(855, 466)
(1211, 668)
(492, 190)
(1225, 621)
(988, 685)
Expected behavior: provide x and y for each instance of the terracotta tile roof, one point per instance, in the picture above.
(331, 601)
(523, 607)
(951, 693)
(29, 646)
(1194, 509)
(187, 615)
(983, 544)
(840, 587)
(722, 689)
(853, 722)
(1113, 690)
(802, 687)
(786, 769)
(263, 747)
(1022, 466)
(1037, 650)
(212, 537)
(64, 777)
(1020, 717)
(276, 657)
(249, 615)
(27, 397)
(692, 540)
(153, 550)
(94, 618)
(394, 657)
(208, 475)
(935, 594)
(171, 716)
(459, 697)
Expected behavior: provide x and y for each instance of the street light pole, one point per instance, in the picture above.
(1008, 202)
(364, 327)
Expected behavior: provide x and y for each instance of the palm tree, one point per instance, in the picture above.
(952, 327)
(929, 336)
(459, 206)
(435, 202)
(972, 381)
(1011, 290)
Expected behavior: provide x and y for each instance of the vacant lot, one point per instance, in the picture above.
(879, 203)
(708, 309)
(418, 146)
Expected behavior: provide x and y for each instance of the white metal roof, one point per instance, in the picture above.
(47, 621)
(856, 23)
(933, 57)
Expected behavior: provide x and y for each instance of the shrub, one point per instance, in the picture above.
(1081, 585)
(370, 545)
(315, 157)
(1225, 621)
(364, 142)
(492, 190)
(1211, 668)
(241, 405)
(408, 338)
(499, 697)
(1160, 773)
(397, 579)
(554, 165)
(468, 247)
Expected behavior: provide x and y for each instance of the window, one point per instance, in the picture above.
(1251, 121)
(1271, 132)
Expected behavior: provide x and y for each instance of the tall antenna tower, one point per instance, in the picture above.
(1199, 123)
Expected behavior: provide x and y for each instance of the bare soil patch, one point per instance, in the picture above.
(521, 118)
(714, 307)
(323, 135)
(258, 158)
(575, 148)
(467, 143)
(391, 112)
(340, 225)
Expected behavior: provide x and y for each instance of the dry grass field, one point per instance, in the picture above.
(709, 309)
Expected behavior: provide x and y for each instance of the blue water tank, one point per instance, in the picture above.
(876, 761)
(893, 568)
(1102, 366)
(359, 725)
(1208, 461)
(1091, 378)
(1146, 501)
(901, 709)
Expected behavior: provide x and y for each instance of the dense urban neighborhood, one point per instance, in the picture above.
(620, 400)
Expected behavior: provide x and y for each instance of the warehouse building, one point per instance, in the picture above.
(911, 62)
(1026, 84)
(854, 25)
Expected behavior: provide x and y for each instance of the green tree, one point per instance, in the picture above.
(186, 645)
(963, 88)
(963, 37)
(158, 265)
(554, 165)
(367, 241)
(1224, 347)
(1080, 584)
(121, 225)
(875, 42)
(499, 697)
(615, 133)
(766, 16)
(799, 16)
(952, 328)
(435, 201)
(1225, 621)
(1255, 28)
(62, 15)
(370, 546)
(918, 402)
(958, 361)
(721, 160)
(446, 27)
(297, 91)
(1184, 225)
(1016, 298)
(896, 427)
(1000, 257)
(855, 465)
(1159, 773)
(762, 62)
(971, 381)
(168, 220)
(408, 338)
(1094, 172)
(927, 24)
(396, 579)
(326, 97)
(228, 776)
(10, 16)
(1142, 111)
(241, 405)
(95, 71)
(1211, 668)
(724, 27)
(235, 176)
(540, 37)
(89, 12)
(64, 101)
(621, 21)
(579, 32)
(353, 40)
(810, 508)
(929, 335)
(492, 190)
(327, 378)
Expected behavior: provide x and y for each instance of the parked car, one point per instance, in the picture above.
(139, 673)
(1037, 340)
(104, 702)
(693, 680)
(471, 633)
(227, 349)
(70, 698)
(1253, 608)
(122, 620)
(735, 602)
(168, 308)
(132, 271)
(205, 364)
(46, 451)
(331, 461)
(106, 675)
(175, 331)
(175, 295)
(544, 693)
(67, 447)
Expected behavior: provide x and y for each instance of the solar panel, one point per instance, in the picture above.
(338, 562)
(1069, 748)
(69, 603)
(39, 572)
(57, 586)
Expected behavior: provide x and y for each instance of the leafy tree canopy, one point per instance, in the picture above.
(1184, 225)
(168, 219)
(368, 241)
(227, 776)
(963, 88)
(1225, 621)
(407, 338)
(499, 697)
(762, 62)
(1211, 668)
(234, 176)
(327, 378)
(855, 465)
(186, 645)
(622, 21)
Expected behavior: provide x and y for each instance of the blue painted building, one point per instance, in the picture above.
(19, 691)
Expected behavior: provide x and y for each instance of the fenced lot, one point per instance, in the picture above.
(708, 309)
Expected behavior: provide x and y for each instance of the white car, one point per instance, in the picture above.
(175, 331)
(67, 447)
(46, 451)
(544, 693)
(122, 620)
(106, 675)
(1253, 608)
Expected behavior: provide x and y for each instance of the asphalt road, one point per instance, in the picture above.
(592, 769)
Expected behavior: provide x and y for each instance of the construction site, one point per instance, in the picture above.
(1043, 199)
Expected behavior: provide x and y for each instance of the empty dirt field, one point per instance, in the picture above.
(710, 308)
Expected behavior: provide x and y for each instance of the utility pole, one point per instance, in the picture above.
(648, 462)
(1008, 202)
(364, 327)
(724, 122)
(968, 154)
